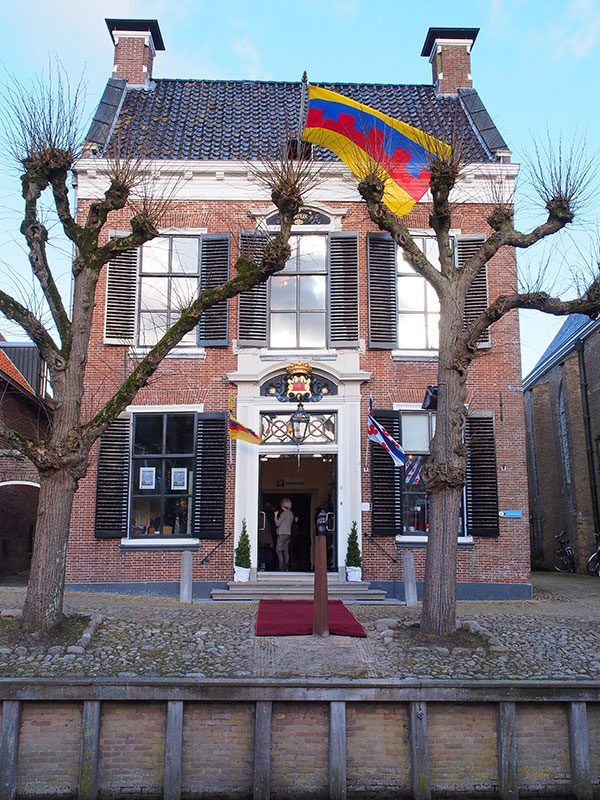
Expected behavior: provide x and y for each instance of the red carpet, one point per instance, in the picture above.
(295, 618)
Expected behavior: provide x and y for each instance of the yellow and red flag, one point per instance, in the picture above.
(239, 431)
(367, 141)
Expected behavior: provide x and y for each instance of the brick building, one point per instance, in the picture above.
(347, 318)
(24, 403)
(562, 412)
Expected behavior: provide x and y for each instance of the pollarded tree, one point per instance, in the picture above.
(561, 182)
(42, 133)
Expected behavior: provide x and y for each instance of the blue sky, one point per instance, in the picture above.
(534, 65)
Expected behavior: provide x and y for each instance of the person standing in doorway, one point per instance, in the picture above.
(283, 523)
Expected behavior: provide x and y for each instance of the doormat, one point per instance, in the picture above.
(295, 618)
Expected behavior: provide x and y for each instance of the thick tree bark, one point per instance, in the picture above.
(44, 601)
(445, 475)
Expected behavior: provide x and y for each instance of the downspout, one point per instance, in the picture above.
(588, 437)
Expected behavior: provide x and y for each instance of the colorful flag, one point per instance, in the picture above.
(412, 475)
(368, 141)
(239, 431)
(377, 433)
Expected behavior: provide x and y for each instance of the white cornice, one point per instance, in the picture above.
(237, 181)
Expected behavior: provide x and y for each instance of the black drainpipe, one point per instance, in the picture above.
(588, 437)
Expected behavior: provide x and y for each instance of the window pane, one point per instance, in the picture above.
(154, 294)
(152, 327)
(183, 292)
(432, 251)
(411, 331)
(180, 434)
(283, 293)
(415, 432)
(415, 512)
(283, 330)
(191, 337)
(411, 294)
(155, 256)
(148, 434)
(312, 292)
(312, 330)
(145, 516)
(185, 255)
(313, 253)
(433, 330)
(178, 516)
(292, 263)
(433, 302)
(404, 264)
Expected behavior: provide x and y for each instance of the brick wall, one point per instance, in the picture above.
(453, 63)
(133, 60)
(299, 750)
(542, 748)
(493, 386)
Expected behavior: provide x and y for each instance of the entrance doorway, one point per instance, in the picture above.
(310, 487)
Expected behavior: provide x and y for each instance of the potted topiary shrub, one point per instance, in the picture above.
(241, 569)
(353, 556)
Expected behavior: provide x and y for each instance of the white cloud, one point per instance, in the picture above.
(249, 57)
(578, 33)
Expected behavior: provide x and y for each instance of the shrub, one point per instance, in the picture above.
(353, 556)
(242, 551)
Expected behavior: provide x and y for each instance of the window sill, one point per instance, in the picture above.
(415, 355)
(416, 541)
(184, 353)
(162, 543)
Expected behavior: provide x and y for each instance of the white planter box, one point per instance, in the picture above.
(354, 573)
(241, 574)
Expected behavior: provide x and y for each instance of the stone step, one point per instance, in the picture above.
(260, 590)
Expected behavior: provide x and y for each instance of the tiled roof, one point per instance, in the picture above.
(245, 120)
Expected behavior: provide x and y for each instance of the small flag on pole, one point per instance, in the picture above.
(368, 141)
(377, 433)
(239, 431)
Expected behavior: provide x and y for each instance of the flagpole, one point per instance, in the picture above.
(301, 121)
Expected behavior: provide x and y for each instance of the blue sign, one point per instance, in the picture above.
(511, 513)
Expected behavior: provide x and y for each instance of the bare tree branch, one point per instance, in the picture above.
(16, 439)
(32, 326)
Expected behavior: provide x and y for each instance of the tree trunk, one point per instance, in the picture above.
(44, 601)
(444, 479)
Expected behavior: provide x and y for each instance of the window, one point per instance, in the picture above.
(564, 436)
(298, 296)
(417, 430)
(418, 304)
(169, 281)
(162, 475)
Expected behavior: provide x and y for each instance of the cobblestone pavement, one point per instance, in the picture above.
(554, 636)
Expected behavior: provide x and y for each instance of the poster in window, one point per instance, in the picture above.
(147, 477)
(179, 479)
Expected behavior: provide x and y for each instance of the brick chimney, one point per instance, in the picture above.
(449, 52)
(136, 42)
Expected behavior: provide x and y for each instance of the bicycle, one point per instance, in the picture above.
(593, 562)
(563, 559)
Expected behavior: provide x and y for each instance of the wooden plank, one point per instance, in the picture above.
(173, 750)
(419, 752)
(506, 748)
(262, 751)
(9, 748)
(579, 751)
(337, 751)
(90, 751)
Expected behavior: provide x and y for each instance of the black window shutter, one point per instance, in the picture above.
(252, 305)
(112, 481)
(214, 271)
(383, 292)
(386, 480)
(477, 297)
(121, 297)
(482, 478)
(343, 289)
(209, 477)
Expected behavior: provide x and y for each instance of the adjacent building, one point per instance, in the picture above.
(346, 319)
(562, 411)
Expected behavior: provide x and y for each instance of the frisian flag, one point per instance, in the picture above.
(369, 141)
(377, 433)
(412, 474)
(239, 431)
